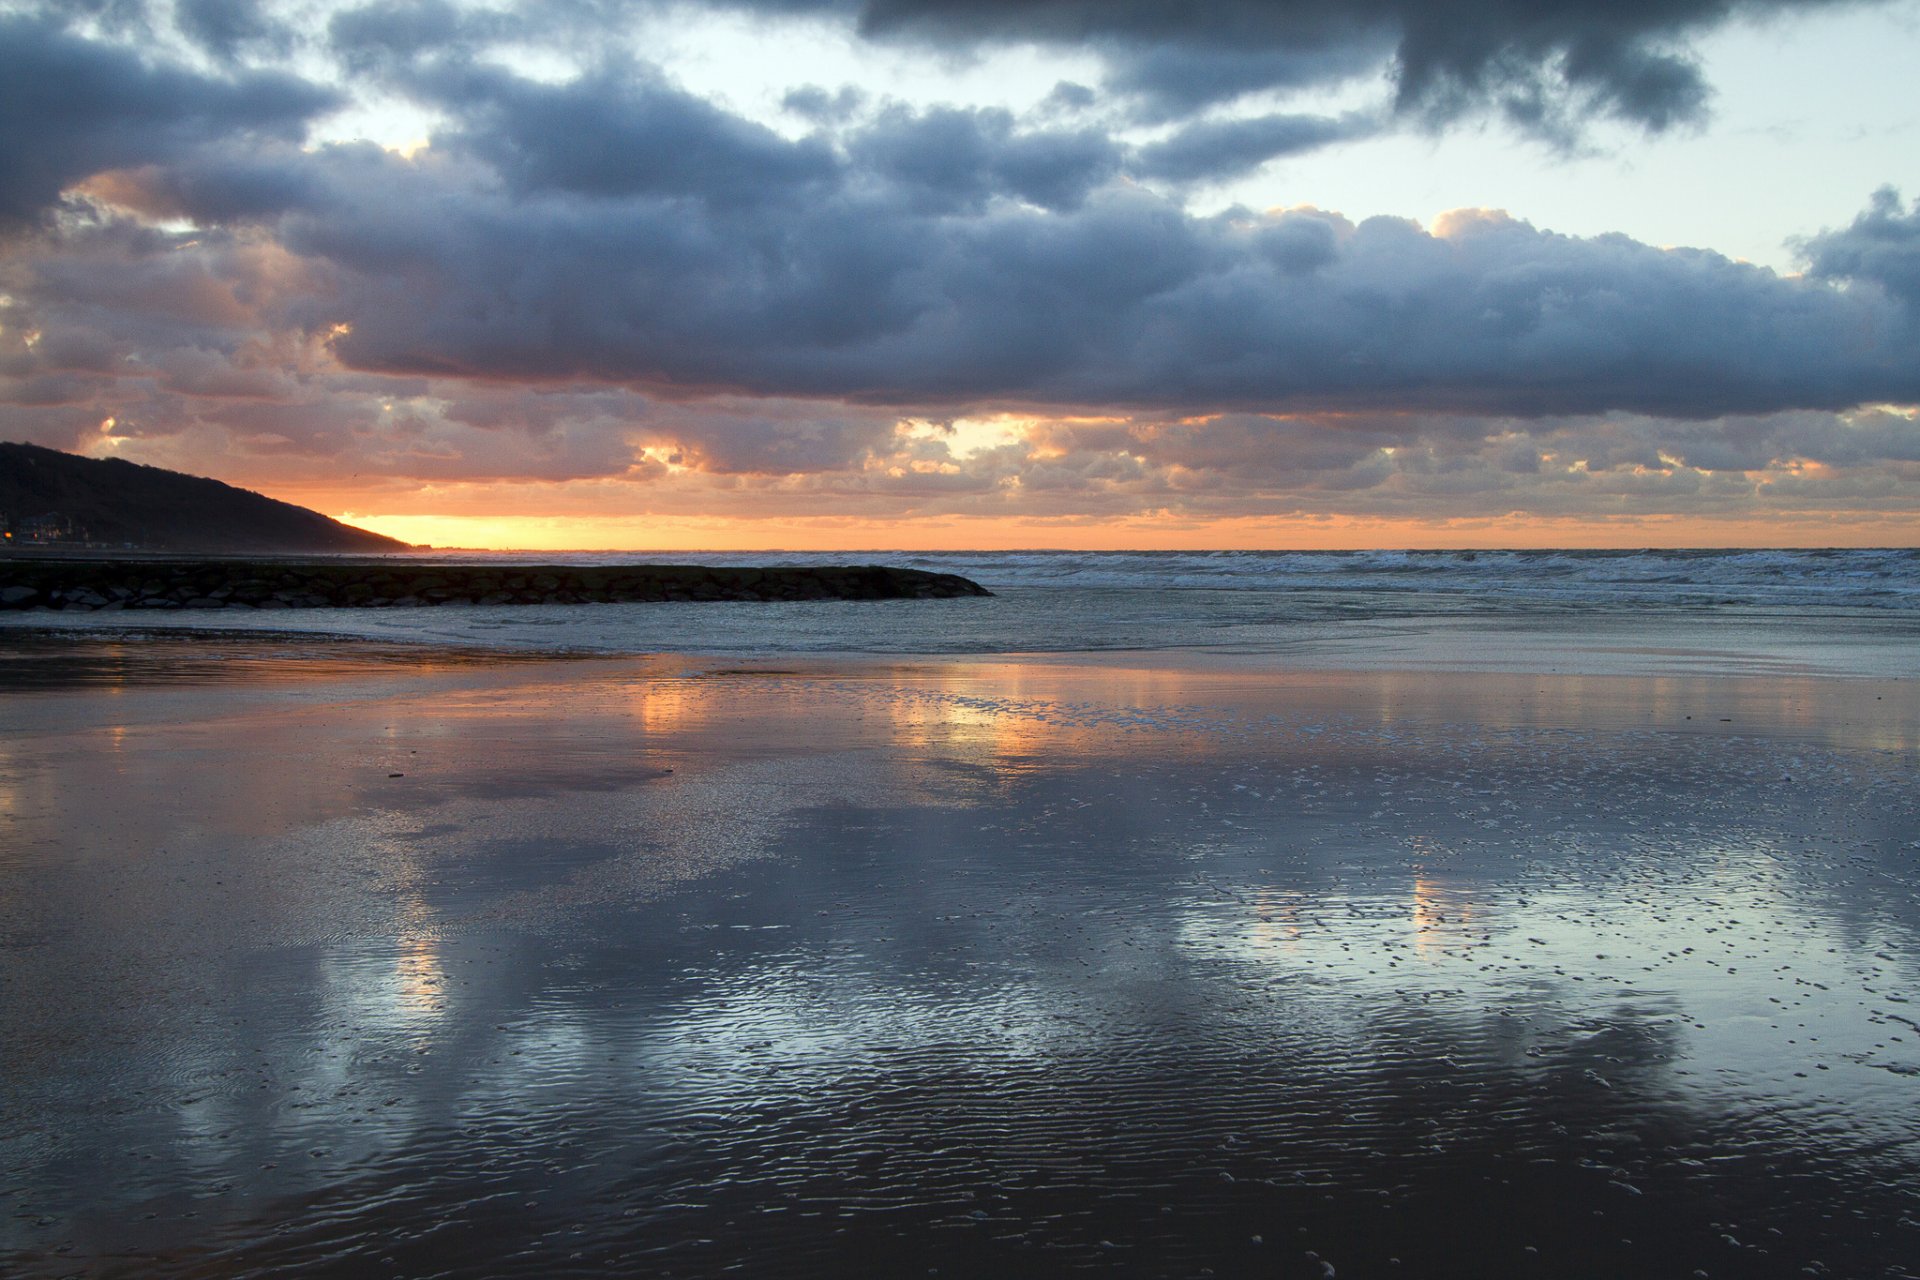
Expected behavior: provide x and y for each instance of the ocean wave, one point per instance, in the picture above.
(1870, 578)
(1835, 612)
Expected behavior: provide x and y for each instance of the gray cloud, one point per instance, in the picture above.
(609, 277)
(1219, 150)
(769, 437)
(1548, 66)
(71, 107)
(1425, 464)
(621, 131)
(1125, 300)
(952, 159)
(1174, 78)
(220, 186)
(812, 102)
(1881, 246)
(385, 37)
(229, 28)
(230, 382)
(1544, 63)
(617, 229)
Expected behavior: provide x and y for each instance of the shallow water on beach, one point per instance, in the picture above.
(390, 966)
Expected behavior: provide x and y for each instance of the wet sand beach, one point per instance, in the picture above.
(344, 959)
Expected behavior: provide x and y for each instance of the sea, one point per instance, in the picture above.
(1809, 612)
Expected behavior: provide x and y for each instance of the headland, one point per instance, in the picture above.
(73, 583)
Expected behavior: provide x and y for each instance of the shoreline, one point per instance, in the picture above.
(1100, 692)
(1787, 643)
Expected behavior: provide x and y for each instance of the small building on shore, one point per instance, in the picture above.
(51, 527)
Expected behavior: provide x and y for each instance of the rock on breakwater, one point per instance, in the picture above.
(72, 584)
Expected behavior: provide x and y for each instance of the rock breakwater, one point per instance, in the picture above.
(70, 584)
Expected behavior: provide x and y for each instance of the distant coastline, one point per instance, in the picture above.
(54, 502)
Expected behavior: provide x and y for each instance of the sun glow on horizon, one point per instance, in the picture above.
(1160, 532)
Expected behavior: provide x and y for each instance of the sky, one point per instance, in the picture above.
(885, 274)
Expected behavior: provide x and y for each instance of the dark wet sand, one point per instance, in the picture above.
(1014, 968)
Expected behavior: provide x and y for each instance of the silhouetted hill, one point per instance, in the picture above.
(112, 502)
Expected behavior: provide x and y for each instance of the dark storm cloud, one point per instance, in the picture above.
(228, 28)
(626, 131)
(952, 159)
(71, 108)
(383, 36)
(1543, 62)
(1548, 66)
(616, 229)
(866, 293)
(618, 132)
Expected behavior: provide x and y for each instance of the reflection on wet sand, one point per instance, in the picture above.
(1443, 916)
(1013, 969)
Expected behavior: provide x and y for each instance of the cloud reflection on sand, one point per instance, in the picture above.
(1013, 967)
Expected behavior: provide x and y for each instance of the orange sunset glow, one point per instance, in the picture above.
(1142, 532)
